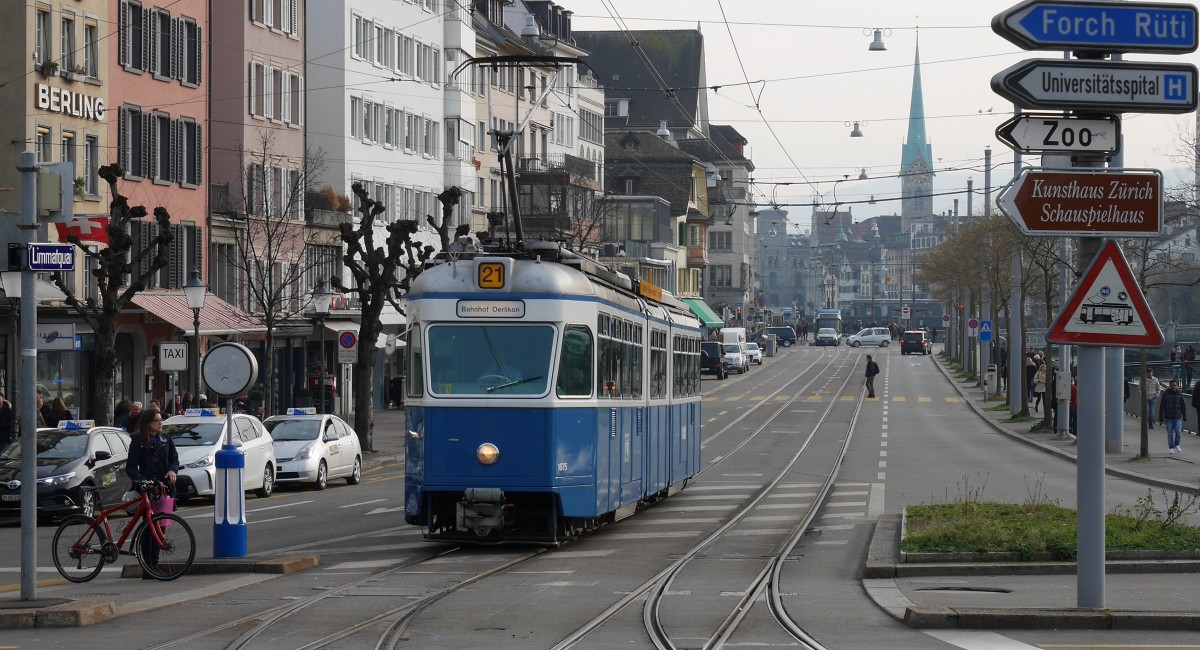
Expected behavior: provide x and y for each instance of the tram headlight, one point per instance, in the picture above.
(487, 453)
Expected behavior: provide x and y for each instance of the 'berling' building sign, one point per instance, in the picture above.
(59, 100)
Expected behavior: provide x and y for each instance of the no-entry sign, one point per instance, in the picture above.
(1085, 203)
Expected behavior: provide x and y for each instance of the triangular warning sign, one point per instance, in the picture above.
(1107, 308)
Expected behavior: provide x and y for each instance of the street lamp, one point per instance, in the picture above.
(195, 292)
(321, 304)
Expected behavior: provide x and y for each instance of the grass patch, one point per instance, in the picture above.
(1028, 529)
(1017, 417)
(1002, 406)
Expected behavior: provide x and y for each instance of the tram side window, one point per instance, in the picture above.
(416, 357)
(634, 351)
(694, 366)
(658, 364)
(677, 370)
(575, 365)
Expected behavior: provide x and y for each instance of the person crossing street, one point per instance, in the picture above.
(872, 370)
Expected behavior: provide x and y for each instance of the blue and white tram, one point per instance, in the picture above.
(544, 398)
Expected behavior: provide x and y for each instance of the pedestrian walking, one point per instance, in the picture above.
(58, 412)
(1151, 389)
(6, 422)
(872, 370)
(1074, 407)
(1189, 358)
(1196, 399)
(1039, 386)
(1176, 363)
(1172, 412)
(1030, 370)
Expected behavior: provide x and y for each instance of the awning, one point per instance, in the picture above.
(217, 318)
(45, 291)
(336, 326)
(704, 313)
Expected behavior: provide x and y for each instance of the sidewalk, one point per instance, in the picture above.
(1155, 592)
(206, 579)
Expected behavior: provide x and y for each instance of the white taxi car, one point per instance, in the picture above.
(313, 448)
(200, 433)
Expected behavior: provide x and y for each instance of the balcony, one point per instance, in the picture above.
(327, 218)
(574, 166)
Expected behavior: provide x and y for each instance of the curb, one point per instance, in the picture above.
(1046, 619)
(80, 613)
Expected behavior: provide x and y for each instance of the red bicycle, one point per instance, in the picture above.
(163, 543)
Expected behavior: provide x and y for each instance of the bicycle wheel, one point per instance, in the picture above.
(175, 556)
(78, 548)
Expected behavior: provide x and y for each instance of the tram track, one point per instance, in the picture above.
(657, 587)
(265, 623)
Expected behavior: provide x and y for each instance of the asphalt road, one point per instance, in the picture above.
(919, 443)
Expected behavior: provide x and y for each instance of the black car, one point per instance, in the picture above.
(69, 458)
(784, 336)
(712, 360)
(915, 342)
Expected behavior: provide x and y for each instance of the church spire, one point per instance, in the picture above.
(916, 156)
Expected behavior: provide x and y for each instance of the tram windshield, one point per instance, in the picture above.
(493, 359)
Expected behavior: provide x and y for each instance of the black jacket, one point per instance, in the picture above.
(153, 462)
(1171, 406)
(872, 368)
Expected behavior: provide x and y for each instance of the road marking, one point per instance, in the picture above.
(925, 400)
(899, 399)
(813, 398)
(379, 511)
(952, 400)
(735, 398)
(845, 504)
(362, 503)
(758, 398)
(658, 534)
(285, 505)
(263, 521)
(705, 488)
(978, 640)
(875, 503)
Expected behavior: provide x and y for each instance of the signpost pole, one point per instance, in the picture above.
(28, 406)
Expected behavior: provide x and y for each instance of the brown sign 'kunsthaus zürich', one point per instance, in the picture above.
(1086, 203)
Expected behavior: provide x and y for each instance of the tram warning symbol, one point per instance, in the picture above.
(1107, 308)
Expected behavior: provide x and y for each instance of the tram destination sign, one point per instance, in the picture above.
(1036, 133)
(1107, 86)
(1099, 26)
(1085, 203)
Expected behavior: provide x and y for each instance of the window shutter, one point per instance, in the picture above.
(295, 20)
(267, 17)
(177, 260)
(123, 139)
(199, 155)
(151, 145)
(197, 239)
(252, 95)
(300, 106)
(199, 45)
(176, 146)
(285, 106)
(123, 46)
(176, 49)
(268, 90)
(266, 188)
(151, 35)
(147, 37)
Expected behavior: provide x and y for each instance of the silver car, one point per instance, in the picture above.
(311, 448)
(827, 336)
(871, 336)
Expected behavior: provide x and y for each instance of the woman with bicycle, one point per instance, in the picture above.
(152, 457)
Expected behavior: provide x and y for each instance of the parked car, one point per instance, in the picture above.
(200, 434)
(312, 448)
(712, 360)
(827, 336)
(871, 336)
(785, 336)
(754, 353)
(71, 456)
(915, 342)
(735, 357)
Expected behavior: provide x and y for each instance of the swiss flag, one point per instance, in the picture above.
(85, 228)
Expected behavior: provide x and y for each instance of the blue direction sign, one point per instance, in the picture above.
(52, 257)
(1106, 86)
(1099, 26)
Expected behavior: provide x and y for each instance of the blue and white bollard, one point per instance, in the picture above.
(229, 507)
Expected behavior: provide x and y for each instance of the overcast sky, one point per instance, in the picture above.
(818, 74)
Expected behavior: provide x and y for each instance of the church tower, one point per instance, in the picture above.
(916, 156)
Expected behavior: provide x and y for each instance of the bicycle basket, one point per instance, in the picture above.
(133, 508)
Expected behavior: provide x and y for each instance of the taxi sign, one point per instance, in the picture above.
(74, 425)
(302, 410)
(204, 412)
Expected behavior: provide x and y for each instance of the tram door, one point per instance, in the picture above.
(632, 443)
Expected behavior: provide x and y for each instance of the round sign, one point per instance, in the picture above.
(972, 323)
(946, 318)
(347, 339)
(229, 369)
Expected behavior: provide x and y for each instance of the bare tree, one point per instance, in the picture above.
(116, 283)
(382, 273)
(274, 243)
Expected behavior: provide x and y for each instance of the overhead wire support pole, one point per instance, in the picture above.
(28, 406)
